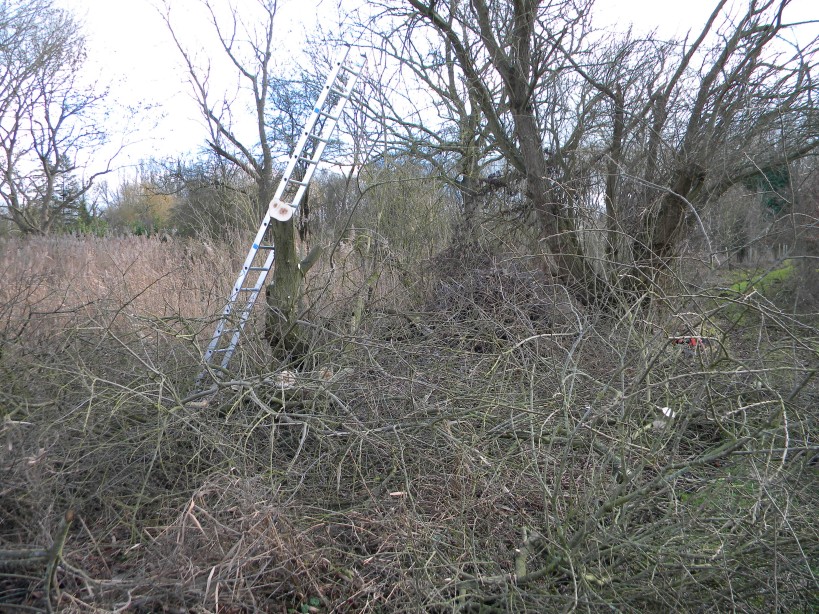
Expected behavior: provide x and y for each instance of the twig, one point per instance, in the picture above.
(55, 554)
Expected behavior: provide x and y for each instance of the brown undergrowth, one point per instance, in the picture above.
(474, 441)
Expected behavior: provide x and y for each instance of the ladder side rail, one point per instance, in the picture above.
(254, 248)
(308, 175)
(240, 280)
(291, 163)
(248, 308)
(322, 139)
(325, 91)
(260, 279)
(330, 125)
(251, 256)
(307, 131)
(243, 318)
(244, 315)
(214, 341)
(332, 118)
(294, 159)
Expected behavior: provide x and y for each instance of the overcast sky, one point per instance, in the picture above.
(130, 50)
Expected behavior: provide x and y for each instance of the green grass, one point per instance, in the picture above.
(746, 282)
(764, 282)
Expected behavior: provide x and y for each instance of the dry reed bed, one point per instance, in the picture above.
(491, 447)
(53, 283)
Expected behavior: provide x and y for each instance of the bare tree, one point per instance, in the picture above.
(45, 115)
(719, 115)
(247, 41)
(504, 53)
(216, 200)
(649, 131)
(439, 122)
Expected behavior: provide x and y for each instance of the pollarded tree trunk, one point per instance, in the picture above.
(515, 50)
(613, 223)
(558, 224)
(465, 230)
(283, 294)
(663, 225)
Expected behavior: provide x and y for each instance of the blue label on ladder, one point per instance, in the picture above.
(255, 246)
(316, 110)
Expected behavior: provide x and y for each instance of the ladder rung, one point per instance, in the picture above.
(257, 268)
(342, 93)
(266, 247)
(249, 289)
(308, 160)
(352, 70)
(219, 350)
(296, 182)
(335, 118)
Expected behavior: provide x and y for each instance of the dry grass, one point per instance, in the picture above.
(474, 442)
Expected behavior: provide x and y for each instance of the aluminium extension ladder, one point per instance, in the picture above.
(299, 171)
